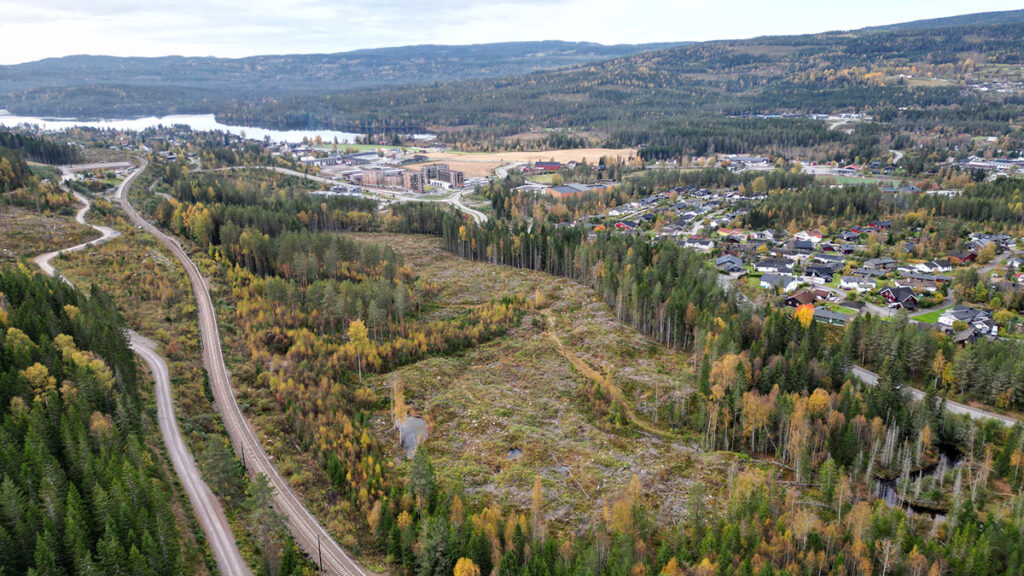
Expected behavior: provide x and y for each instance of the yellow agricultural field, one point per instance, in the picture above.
(484, 163)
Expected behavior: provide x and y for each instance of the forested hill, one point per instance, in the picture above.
(913, 78)
(949, 72)
(225, 78)
(980, 18)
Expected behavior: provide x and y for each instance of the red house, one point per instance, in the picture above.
(901, 297)
(960, 257)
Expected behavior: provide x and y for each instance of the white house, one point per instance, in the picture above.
(784, 283)
(964, 314)
(856, 283)
(809, 235)
(699, 244)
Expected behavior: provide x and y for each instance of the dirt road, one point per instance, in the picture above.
(206, 506)
(307, 532)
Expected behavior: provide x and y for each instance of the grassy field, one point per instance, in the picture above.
(543, 178)
(517, 407)
(933, 316)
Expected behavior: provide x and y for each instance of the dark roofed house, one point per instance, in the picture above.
(802, 245)
(729, 263)
(783, 282)
(822, 270)
(769, 265)
(960, 257)
(900, 297)
(880, 264)
(800, 299)
(868, 273)
(822, 314)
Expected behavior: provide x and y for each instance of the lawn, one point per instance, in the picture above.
(933, 316)
(841, 309)
(543, 178)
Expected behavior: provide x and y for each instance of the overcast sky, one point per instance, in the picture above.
(35, 29)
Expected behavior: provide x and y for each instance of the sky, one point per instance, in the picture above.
(32, 30)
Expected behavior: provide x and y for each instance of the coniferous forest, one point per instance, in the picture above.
(81, 487)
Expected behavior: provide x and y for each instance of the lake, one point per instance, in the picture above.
(197, 122)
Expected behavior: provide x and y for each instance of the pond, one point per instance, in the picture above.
(888, 489)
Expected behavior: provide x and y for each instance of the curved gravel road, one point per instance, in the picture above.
(206, 506)
(307, 532)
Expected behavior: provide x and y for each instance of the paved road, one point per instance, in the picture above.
(871, 379)
(454, 199)
(207, 507)
(307, 532)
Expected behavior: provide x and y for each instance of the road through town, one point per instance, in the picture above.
(307, 532)
(206, 506)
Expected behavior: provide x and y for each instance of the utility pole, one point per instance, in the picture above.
(319, 553)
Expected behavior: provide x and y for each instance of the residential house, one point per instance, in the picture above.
(937, 278)
(837, 249)
(965, 337)
(868, 273)
(884, 263)
(857, 284)
(916, 285)
(823, 271)
(849, 236)
(783, 282)
(961, 257)
(699, 244)
(963, 313)
(800, 245)
(770, 265)
(812, 236)
(822, 314)
(800, 298)
(794, 255)
(729, 263)
(823, 294)
(900, 297)
(933, 266)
